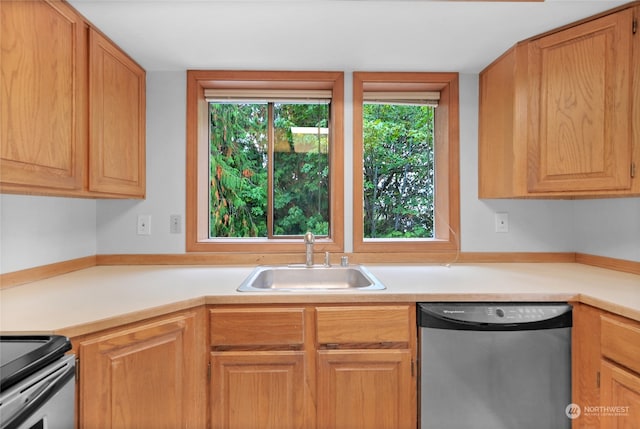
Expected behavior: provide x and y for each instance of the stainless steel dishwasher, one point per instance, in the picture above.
(495, 365)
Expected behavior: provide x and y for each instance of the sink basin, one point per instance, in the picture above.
(292, 278)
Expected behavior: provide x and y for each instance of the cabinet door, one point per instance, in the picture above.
(365, 389)
(42, 96)
(117, 120)
(149, 376)
(580, 107)
(257, 390)
(620, 393)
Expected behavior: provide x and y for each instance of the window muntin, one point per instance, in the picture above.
(406, 89)
(251, 86)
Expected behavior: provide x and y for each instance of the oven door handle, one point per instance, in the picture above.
(53, 386)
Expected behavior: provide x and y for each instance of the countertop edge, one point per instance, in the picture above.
(101, 298)
(184, 305)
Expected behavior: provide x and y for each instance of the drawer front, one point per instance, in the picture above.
(620, 341)
(257, 327)
(369, 324)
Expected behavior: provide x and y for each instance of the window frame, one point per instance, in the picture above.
(446, 147)
(197, 180)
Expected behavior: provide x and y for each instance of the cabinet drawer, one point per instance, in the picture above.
(232, 327)
(620, 341)
(370, 324)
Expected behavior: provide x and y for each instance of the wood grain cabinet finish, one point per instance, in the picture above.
(605, 369)
(585, 366)
(365, 388)
(366, 357)
(259, 368)
(42, 95)
(621, 394)
(313, 366)
(117, 121)
(149, 375)
(557, 113)
(620, 373)
(72, 104)
(258, 389)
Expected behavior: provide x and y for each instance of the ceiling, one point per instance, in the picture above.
(365, 35)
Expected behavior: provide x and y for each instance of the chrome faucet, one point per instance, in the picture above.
(309, 239)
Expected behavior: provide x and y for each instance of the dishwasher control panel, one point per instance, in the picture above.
(495, 313)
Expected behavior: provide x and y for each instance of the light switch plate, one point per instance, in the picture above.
(175, 224)
(144, 225)
(502, 222)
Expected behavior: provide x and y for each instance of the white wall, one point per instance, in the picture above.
(609, 227)
(40, 230)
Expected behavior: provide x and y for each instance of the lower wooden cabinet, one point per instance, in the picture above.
(147, 375)
(606, 370)
(620, 393)
(619, 373)
(258, 390)
(313, 366)
(370, 389)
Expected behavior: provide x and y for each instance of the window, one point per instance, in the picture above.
(406, 185)
(265, 153)
(269, 164)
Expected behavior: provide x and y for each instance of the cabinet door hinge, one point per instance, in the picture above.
(77, 370)
(633, 169)
(634, 26)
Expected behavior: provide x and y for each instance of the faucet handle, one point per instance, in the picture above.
(309, 238)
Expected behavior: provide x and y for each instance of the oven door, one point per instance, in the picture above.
(44, 400)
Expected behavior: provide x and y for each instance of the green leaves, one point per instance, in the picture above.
(239, 169)
(398, 171)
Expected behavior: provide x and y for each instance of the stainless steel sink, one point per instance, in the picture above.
(294, 278)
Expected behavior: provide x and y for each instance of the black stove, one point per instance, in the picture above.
(37, 382)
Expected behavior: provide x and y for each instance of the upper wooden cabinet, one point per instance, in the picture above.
(72, 106)
(557, 113)
(42, 95)
(117, 121)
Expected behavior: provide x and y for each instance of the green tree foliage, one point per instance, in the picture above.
(301, 171)
(398, 171)
(238, 160)
(239, 166)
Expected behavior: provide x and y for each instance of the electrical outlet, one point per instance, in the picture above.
(502, 222)
(144, 225)
(175, 224)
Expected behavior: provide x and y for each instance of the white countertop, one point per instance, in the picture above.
(101, 297)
